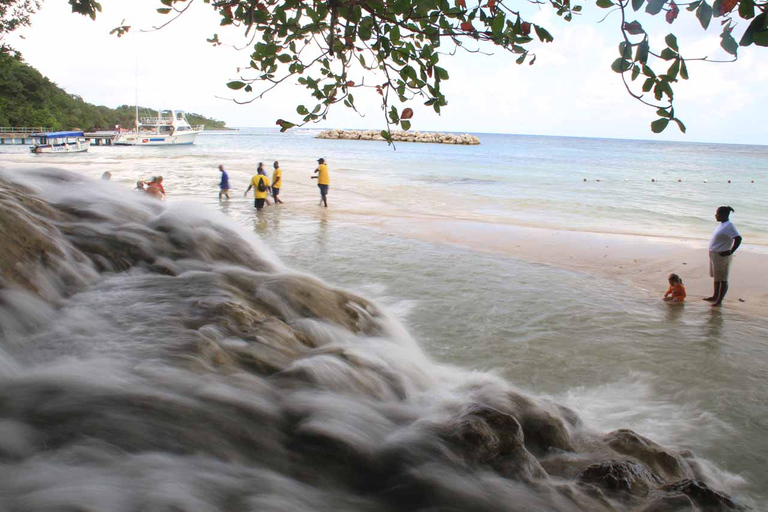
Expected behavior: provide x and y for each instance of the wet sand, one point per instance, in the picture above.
(640, 261)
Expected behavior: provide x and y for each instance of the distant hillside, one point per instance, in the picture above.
(27, 98)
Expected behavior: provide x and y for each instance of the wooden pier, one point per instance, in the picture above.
(21, 135)
(103, 138)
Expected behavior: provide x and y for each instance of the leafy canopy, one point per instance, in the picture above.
(393, 48)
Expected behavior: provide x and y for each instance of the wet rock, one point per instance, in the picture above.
(484, 435)
(627, 476)
(666, 463)
(674, 503)
(401, 136)
(544, 430)
(706, 498)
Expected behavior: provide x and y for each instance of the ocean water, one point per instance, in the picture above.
(690, 379)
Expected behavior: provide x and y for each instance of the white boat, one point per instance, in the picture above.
(169, 128)
(60, 142)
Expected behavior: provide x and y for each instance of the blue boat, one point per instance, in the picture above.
(60, 142)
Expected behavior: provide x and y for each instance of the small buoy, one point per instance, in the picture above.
(729, 181)
(705, 181)
(679, 180)
(597, 179)
(585, 179)
(626, 179)
(653, 180)
(753, 181)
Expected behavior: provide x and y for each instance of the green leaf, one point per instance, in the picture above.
(729, 44)
(654, 6)
(659, 125)
(544, 36)
(761, 38)
(671, 41)
(621, 65)
(441, 73)
(164, 11)
(756, 25)
(406, 125)
(284, 58)
(704, 14)
(637, 4)
(635, 72)
(520, 59)
(747, 9)
(641, 55)
(605, 4)
(387, 136)
(693, 6)
(302, 110)
(668, 54)
(683, 69)
(679, 124)
(648, 84)
(673, 70)
(236, 85)
(662, 112)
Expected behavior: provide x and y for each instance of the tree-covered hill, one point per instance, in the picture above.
(27, 98)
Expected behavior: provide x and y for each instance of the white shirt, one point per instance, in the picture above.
(722, 238)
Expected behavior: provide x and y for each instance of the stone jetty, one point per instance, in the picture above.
(402, 136)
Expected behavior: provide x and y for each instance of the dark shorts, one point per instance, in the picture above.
(323, 189)
(259, 203)
(275, 192)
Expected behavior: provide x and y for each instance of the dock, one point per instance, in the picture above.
(102, 138)
(21, 135)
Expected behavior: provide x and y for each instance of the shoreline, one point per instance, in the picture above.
(643, 262)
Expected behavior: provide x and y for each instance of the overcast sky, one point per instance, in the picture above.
(570, 91)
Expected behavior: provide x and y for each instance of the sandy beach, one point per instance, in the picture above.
(639, 261)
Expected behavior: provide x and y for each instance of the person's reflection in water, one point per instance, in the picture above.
(260, 223)
(714, 326)
(674, 311)
(322, 231)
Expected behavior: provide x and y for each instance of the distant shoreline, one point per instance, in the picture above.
(402, 136)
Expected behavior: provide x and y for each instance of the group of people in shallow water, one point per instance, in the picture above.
(724, 242)
(263, 187)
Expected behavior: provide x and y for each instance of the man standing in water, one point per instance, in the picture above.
(224, 185)
(323, 181)
(277, 182)
(725, 240)
(260, 186)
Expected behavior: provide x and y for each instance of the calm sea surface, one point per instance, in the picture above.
(691, 378)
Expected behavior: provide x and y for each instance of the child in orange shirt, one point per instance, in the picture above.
(676, 292)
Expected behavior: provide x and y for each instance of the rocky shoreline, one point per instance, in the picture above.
(402, 136)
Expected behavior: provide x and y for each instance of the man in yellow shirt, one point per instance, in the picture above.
(323, 181)
(277, 182)
(260, 185)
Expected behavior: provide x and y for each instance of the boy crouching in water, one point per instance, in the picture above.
(676, 292)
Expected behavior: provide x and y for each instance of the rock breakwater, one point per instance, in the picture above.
(402, 136)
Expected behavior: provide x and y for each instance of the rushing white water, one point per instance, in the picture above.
(139, 377)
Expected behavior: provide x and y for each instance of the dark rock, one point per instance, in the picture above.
(666, 463)
(709, 500)
(674, 503)
(543, 429)
(484, 435)
(627, 476)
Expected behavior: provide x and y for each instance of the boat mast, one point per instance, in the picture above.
(137, 93)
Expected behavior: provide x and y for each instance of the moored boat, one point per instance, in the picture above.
(170, 127)
(60, 142)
